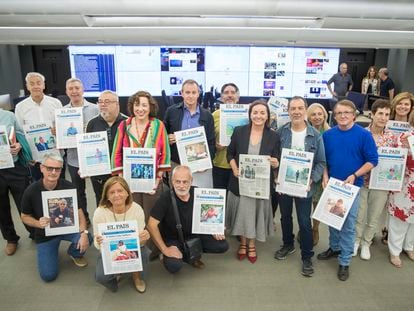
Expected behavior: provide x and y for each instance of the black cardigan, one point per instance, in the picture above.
(239, 144)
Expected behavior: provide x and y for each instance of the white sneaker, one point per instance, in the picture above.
(365, 253)
(356, 246)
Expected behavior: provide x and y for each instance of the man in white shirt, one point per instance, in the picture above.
(37, 108)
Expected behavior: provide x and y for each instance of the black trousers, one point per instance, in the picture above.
(16, 181)
(221, 177)
(80, 185)
(98, 183)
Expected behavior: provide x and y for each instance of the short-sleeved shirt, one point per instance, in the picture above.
(163, 211)
(386, 86)
(32, 204)
(29, 112)
(341, 83)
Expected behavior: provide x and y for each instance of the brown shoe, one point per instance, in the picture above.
(140, 285)
(10, 249)
(410, 254)
(198, 264)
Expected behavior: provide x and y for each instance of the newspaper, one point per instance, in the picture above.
(411, 143)
(6, 159)
(121, 251)
(231, 115)
(279, 110)
(69, 123)
(209, 211)
(139, 169)
(389, 173)
(40, 139)
(335, 203)
(61, 207)
(397, 127)
(254, 179)
(294, 172)
(93, 154)
(193, 149)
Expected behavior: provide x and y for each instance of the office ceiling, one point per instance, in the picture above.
(345, 23)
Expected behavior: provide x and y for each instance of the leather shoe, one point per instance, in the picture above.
(328, 254)
(139, 284)
(10, 248)
(198, 264)
(343, 273)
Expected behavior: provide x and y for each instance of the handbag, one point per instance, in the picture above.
(192, 248)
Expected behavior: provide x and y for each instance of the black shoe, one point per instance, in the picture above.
(284, 251)
(328, 254)
(307, 267)
(343, 273)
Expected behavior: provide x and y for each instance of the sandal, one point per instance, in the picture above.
(384, 238)
(242, 252)
(395, 261)
(252, 250)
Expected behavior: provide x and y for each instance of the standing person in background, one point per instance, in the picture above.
(143, 130)
(37, 108)
(74, 90)
(221, 168)
(318, 117)
(370, 83)
(108, 120)
(188, 115)
(343, 83)
(387, 87)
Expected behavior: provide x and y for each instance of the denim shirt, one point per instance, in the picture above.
(313, 143)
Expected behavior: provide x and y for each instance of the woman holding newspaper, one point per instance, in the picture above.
(117, 206)
(143, 130)
(249, 217)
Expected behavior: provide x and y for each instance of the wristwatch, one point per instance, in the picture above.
(84, 231)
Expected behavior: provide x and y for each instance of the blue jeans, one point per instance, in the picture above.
(303, 213)
(48, 254)
(344, 239)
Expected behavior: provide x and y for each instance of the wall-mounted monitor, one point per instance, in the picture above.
(258, 71)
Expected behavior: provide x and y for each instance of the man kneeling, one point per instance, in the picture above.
(163, 226)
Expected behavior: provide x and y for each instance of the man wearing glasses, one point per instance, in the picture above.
(350, 153)
(32, 215)
(108, 120)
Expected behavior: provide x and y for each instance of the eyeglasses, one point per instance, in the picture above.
(106, 102)
(343, 113)
(52, 168)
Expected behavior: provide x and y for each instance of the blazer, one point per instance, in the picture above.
(239, 144)
(173, 118)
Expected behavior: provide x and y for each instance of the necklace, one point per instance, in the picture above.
(113, 213)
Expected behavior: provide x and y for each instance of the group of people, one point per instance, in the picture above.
(347, 152)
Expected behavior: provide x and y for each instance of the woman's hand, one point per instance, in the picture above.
(144, 236)
(99, 239)
(171, 139)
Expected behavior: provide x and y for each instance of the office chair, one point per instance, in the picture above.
(358, 99)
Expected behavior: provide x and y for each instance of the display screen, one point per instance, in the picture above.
(258, 71)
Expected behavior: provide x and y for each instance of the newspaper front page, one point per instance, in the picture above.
(193, 149)
(209, 211)
(254, 179)
(398, 127)
(69, 123)
(231, 115)
(120, 249)
(389, 173)
(6, 159)
(294, 172)
(40, 139)
(335, 203)
(279, 110)
(139, 169)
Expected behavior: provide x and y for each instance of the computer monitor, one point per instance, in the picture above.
(5, 102)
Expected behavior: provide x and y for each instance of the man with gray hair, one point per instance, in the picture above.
(32, 215)
(343, 83)
(37, 108)
(74, 90)
(387, 86)
(162, 223)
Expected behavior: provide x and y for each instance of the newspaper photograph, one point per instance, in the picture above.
(397, 127)
(6, 159)
(93, 154)
(209, 211)
(231, 115)
(61, 207)
(193, 149)
(279, 110)
(411, 143)
(389, 172)
(335, 203)
(120, 249)
(40, 139)
(294, 172)
(139, 169)
(254, 179)
(69, 123)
